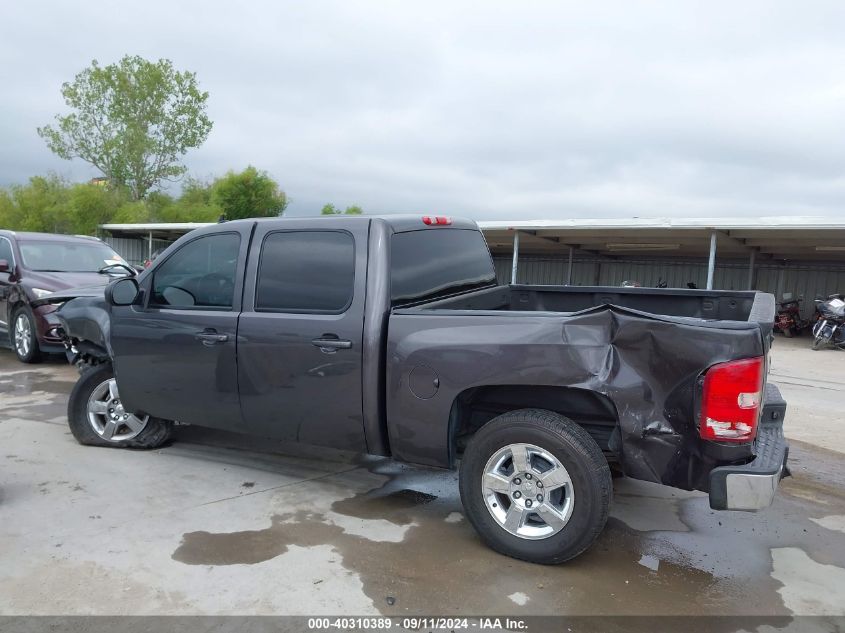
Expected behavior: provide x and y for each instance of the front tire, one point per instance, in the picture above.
(535, 486)
(25, 336)
(96, 416)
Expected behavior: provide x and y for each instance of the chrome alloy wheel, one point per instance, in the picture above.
(528, 491)
(23, 335)
(107, 416)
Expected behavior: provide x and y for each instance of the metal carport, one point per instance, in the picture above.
(781, 240)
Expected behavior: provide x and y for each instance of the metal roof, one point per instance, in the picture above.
(778, 237)
(159, 230)
(773, 237)
(774, 222)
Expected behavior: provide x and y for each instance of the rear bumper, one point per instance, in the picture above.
(752, 486)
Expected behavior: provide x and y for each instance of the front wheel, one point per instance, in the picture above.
(25, 336)
(96, 416)
(535, 486)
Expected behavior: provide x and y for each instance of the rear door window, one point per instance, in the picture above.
(306, 271)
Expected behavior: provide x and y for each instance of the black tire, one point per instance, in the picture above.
(33, 354)
(156, 433)
(576, 451)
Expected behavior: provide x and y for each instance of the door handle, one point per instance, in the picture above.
(331, 345)
(211, 337)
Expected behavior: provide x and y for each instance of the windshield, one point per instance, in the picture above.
(67, 257)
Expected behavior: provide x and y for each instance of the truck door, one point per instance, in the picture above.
(175, 355)
(300, 333)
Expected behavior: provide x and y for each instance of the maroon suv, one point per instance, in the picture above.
(35, 264)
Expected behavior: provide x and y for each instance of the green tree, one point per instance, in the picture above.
(248, 194)
(194, 205)
(90, 205)
(9, 216)
(132, 120)
(330, 209)
(133, 212)
(42, 205)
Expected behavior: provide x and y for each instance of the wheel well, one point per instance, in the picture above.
(476, 406)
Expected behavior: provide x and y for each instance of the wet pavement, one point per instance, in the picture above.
(222, 524)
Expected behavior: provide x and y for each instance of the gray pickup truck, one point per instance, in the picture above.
(389, 335)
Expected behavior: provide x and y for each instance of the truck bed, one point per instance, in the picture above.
(637, 354)
(723, 305)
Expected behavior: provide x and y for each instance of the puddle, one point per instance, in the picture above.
(394, 506)
(650, 562)
(234, 548)
(441, 562)
(27, 382)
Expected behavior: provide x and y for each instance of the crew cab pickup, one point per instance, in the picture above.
(390, 335)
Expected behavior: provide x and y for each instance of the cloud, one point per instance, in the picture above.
(492, 110)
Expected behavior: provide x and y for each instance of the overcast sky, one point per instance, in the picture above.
(486, 109)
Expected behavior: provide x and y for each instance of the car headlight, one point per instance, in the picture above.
(40, 292)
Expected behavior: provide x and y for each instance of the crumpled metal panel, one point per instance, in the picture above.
(646, 365)
(87, 318)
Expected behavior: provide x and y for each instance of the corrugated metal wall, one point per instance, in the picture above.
(134, 250)
(807, 280)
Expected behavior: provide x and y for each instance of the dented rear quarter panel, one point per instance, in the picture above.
(646, 365)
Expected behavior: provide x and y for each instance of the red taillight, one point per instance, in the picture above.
(730, 402)
(437, 219)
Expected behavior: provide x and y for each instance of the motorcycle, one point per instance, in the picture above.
(829, 329)
(788, 319)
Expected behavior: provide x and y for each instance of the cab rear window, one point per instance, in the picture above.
(432, 263)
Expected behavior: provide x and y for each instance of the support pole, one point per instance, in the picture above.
(150, 247)
(751, 269)
(569, 270)
(515, 256)
(711, 264)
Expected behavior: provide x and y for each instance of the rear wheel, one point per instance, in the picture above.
(96, 415)
(535, 486)
(25, 336)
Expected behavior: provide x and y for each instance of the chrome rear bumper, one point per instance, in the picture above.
(752, 486)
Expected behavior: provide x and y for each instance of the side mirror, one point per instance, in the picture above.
(4, 265)
(122, 292)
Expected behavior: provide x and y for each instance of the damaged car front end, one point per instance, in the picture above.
(79, 318)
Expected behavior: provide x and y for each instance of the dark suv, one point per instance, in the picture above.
(33, 265)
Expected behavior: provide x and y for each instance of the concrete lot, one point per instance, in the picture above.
(221, 524)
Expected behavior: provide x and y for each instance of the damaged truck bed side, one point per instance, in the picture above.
(390, 335)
